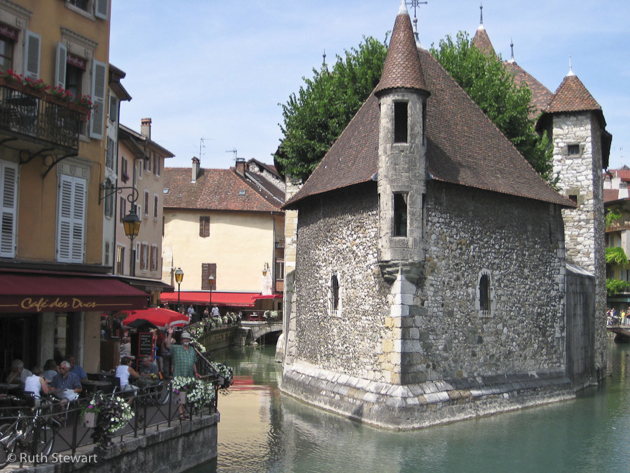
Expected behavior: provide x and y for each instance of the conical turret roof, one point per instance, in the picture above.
(402, 67)
(482, 42)
(572, 96)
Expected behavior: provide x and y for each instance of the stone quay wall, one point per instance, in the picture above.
(169, 450)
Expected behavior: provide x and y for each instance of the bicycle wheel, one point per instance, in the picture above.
(6, 446)
(44, 436)
(164, 393)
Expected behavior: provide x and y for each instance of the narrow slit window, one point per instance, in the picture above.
(400, 215)
(484, 292)
(400, 122)
(334, 288)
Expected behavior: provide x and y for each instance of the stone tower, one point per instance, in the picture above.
(402, 96)
(576, 127)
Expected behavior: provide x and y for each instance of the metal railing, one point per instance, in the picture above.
(37, 118)
(153, 410)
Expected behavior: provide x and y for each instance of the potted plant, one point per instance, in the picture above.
(181, 387)
(90, 413)
(113, 415)
(200, 394)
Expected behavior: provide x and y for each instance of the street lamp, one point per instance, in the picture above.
(179, 277)
(210, 284)
(131, 222)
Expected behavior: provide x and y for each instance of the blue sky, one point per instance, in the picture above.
(218, 69)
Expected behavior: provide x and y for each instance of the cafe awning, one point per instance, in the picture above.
(229, 299)
(25, 292)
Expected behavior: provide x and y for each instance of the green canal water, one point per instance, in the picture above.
(262, 430)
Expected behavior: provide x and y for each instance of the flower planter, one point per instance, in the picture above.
(180, 398)
(83, 113)
(89, 419)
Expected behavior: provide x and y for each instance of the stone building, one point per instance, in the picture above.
(431, 279)
(576, 128)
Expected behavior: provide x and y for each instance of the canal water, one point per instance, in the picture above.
(262, 430)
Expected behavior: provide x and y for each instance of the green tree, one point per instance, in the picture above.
(492, 88)
(315, 116)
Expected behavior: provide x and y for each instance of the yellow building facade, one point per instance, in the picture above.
(52, 158)
(225, 224)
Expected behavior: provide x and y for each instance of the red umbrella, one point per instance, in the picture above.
(158, 317)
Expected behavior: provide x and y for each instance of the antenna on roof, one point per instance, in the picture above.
(481, 9)
(415, 4)
(570, 68)
(201, 145)
(233, 151)
(512, 48)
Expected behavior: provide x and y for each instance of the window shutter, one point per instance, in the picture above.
(206, 270)
(113, 109)
(61, 60)
(99, 73)
(33, 49)
(71, 231)
(100, 9)
(9, 173)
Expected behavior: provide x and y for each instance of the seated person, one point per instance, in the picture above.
(18, 373)
(36, 384)
(148, 368)
(67, 384)
(124, 372)
(76, 369)
(50, 370)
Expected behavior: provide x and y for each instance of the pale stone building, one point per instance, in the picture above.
(431, 279)
(225, 223)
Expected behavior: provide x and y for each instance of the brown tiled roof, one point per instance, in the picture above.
(463, 147)
(541, 95)
(215, 189)
(572, 96)
(482, 42)
(611, 195)
(402, 65)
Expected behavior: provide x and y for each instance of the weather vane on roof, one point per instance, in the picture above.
(415, 4)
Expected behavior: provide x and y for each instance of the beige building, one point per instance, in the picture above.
(52, 159)
(225, 223)
(141, 177)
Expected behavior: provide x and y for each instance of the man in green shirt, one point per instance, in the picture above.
(184, 360)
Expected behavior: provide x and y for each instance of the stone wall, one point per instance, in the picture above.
(403, 335)
(519, 244)
(169, 450)
(338, 235)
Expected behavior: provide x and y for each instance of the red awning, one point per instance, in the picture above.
(229, 299)
(25, 292)
(159, 317)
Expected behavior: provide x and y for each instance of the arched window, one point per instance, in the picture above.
(334, 290)
(484, 292)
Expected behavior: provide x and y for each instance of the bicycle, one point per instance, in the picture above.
(33, 435)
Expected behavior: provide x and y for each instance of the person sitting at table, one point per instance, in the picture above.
(36, 384)
(76, 369)
(68, 384)
(124, 372)
(18, 373)
(50, 370)
(148, 369)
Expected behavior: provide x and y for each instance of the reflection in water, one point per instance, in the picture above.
(264, 430)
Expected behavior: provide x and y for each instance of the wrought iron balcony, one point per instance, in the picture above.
(34, 120)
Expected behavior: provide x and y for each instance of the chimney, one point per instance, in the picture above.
(145, 127)
(195, 169)
(240, 166)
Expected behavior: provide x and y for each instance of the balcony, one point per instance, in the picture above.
(36, 122)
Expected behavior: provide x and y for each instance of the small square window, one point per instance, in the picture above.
(574, 150)
(573, 198)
